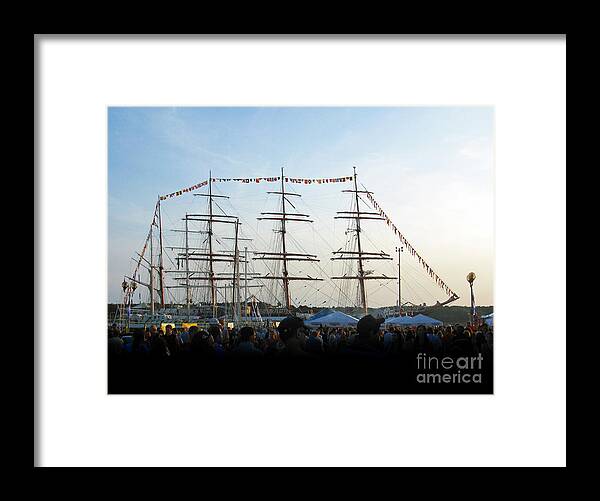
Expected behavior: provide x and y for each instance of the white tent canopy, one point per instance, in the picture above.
(333, 319)
(419, 319)
(488, 319)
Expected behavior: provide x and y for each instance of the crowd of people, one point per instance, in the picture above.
(370, 338)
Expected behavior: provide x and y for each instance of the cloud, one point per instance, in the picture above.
(128, 213)
(475, 149)
(176, 132)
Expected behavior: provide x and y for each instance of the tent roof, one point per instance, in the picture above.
(419, 319)
(322, 313)
(489, 319)
(333, 319)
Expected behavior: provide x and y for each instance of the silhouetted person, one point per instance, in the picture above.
(366, 343)
(203, 344)
(421, 340)
(461, 345)
(246, 347)
(158, 344)
(140, 346)
(173, 340)
(115, 343)
(215, 331)
(292, 334)
(314, 343)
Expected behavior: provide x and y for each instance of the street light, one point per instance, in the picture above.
(399, 250)
(471, 278)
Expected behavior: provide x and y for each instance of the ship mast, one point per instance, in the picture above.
(361, 255)
(236, 279)
(237, 275)
(211, 271)
(210, 255)
(286, 280)
(284, 256)
(187, 269)
(361, 271)
(151, 271)
(184, 256)
(160, 259)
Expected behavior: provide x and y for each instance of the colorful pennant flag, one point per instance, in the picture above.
(410, 248)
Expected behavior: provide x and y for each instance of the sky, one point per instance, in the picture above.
(429, 168)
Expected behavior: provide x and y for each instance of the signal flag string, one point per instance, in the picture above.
(319, 181)
(248, 180)
(440, 283)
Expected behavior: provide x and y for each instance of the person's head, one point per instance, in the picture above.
(290, 328)
(215, 331)
(368, 326)
(247, 334)
(207, 338)
(138, 337)
(153, 330)
(479, 338)
(169, 329)
(202, 342)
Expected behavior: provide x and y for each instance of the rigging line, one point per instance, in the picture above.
(393, 267)
(169, 292)
(244, 221)
(308, 291)
(320, 269)
(410, 287)
(386, 286)
(315, 216)
(439, 282)
(323, 292)
(433, 298)
(166, 242)
(317, 266)
(217, 204)
(416, 294)
(376, 291)
(416, 278)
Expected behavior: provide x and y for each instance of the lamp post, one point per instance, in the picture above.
(128, 290)
(399, 250)
(471, 278)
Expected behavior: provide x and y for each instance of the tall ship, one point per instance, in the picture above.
(206, 269)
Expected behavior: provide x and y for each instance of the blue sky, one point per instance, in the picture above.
(431, 170)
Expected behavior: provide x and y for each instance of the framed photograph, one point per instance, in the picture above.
(280, 253)
(259, 247)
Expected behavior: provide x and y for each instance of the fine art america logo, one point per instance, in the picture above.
(432, 369)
